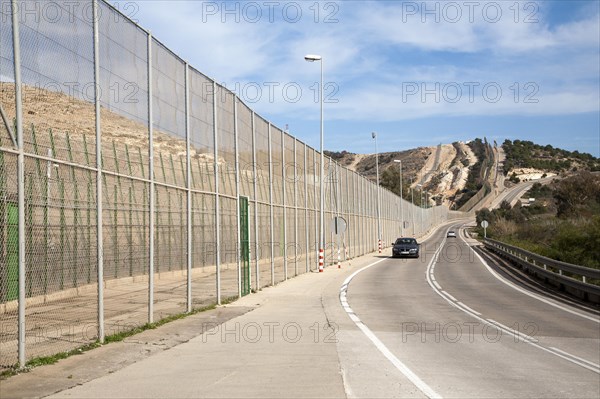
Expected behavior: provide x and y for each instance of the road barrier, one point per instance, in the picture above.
(552, 271)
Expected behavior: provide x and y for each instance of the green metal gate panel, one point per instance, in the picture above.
(12, 252)
(244, 246)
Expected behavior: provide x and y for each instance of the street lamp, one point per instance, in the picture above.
(379, 244)
(399, 161)
(313, 58)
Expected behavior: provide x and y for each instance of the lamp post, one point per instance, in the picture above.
(412, 201)
(379, 243)
(399, 161)
(421, 205)
(314, 58)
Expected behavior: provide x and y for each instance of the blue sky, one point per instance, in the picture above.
(417, 73)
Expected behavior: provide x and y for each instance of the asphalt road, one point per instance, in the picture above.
(463, 332)
(513, 194)
(444, 325)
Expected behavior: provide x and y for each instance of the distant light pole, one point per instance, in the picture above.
(399, 161)
(412, 201)
(379, 243)
(313, 58)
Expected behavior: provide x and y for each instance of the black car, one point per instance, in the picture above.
(405, 247)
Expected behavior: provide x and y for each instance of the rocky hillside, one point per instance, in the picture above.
(526, 160)
(452, 173)
(443, 170)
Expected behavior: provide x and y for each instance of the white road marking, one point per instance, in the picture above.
(516, 334)
(408, 373)
(577, 357)
(468, 308)
(531, 294)
(449, 296)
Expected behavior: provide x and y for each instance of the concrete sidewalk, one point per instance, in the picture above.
(275, 343)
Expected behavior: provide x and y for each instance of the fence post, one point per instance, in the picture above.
(271, 207)
(99, 226)
(20, 183)
(316, 211)
(256, 205)
(360, 208)
(284, 202)
(295, 208)
(151, 198)
(238, 242)
(349, 210)
(188, 185)
(306, 225)
(217, 200)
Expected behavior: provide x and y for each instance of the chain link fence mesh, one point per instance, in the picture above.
(143, 88)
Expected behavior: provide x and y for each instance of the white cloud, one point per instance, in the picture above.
(376, 46)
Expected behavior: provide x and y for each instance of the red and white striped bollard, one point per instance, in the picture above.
(321, 257)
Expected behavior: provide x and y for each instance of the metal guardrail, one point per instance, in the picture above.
(551, 269)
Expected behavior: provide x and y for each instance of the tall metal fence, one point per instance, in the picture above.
(133, 187)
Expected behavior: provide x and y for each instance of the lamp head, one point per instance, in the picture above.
(312, 57)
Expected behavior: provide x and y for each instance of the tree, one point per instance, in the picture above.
(390, 179)
(505, 205)
(484, 214)
(578, 195)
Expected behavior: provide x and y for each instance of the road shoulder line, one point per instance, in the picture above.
(407, 372)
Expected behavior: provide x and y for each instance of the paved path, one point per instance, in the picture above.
(275, 343)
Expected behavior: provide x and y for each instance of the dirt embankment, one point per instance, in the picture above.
(47, 110)
(447, 170)
(413, 162)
